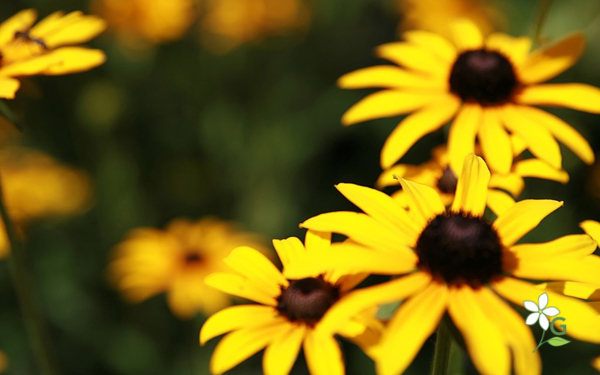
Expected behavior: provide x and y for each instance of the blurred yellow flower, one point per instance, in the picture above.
(176, 260)
(229, 23)
(149, 21)
(3, 361)
(46, 48)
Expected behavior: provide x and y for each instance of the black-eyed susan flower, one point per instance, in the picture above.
(437, 174)
(140, 21)
(47, 48)
(175, 261)
(456, 262)
(289, 312)
(489, 86)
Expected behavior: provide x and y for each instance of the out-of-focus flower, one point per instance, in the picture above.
(292, 307)
(176, 260)
(489, 86)
(137, 22)
(3, 361)
(46, 48)
(454, 261)
(437, 174)
(433, 15)
(229, 23)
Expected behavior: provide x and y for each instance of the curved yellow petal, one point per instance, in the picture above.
(592, 228)
(239, 286)
(259, 270)
(577, 96)
(495, 142)
(234, 318)
(72, 28)
(317, 242)
(281, 354)
(561, 268)
(424, 202)
(387, 76)
(539, 169)
(515, 49)
(573, 289)
(290, 251)
(21, 21)
(467, 35)
(323, 354)
(9, 87)
(512, 183)
(575, 245)
(521, 218)
(538, 138)
(434, 42)
(482, 336)
(415, 126)
(581, 319)
(471, 191)
(498, 201)
(414, 57)
(461, 140)
(412, 324)
(549, 62)
(64, 60)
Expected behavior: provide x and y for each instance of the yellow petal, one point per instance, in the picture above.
(423, 201)
(21, 21)
(461, 140)
(234, 318)
(239, 286)
(415, 126)
(549, 62)
(539, 140)
(467, 35)
(412, 324)
(592, 228)
(259, 270)
(382, 208)
(575, 245)
(290, 252)
(516, 49)
(561, 268)
(73, 28)
(482, 336)
(60, 61)
(317, 242)
(280, 356)
(571, 95)
(512, 183)
(387, 76)
(573, 289)
(414, 57)
(498, 201)
(9, 87)
(581, 319)
(521, 218)
(561, 131)
(437, 44)
(323, 354)
(471, 191)
(239, 345)
(495, 143)
(538, 169)
(359, 227)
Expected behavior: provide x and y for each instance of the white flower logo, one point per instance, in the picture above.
(540, 312)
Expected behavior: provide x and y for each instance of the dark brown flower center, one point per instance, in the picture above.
(460, 249)
(193, 258)
(485, 77)
(447, 183)
(307, 300)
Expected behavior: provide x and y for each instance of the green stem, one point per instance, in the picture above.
(22, 280)
(443, 343)
(541, 342)
(540, 19)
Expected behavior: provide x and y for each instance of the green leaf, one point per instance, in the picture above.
(386, 311)
(558, 341)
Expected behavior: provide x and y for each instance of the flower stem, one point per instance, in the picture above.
(540, 19)
(541, 342)
(443, 343)
(22, 281)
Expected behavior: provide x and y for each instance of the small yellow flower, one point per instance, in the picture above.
(289, 313)
(229, 23)
(176, 261)
(454, 261)
(488, 85)
(139, 21)
(46, 48)
(437, 174)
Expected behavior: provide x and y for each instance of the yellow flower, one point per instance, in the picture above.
(176, 261)
(154, 21)
(488, 85)
(454, 261)
(46, 48)
(229, 23)
(289, 313)
(3, 361)
(437, 174)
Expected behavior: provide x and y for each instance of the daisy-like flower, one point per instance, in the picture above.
(539, 312)
(437, 174)
(455, 261)
(488, 85)
(289, 313)
(176, 260)
(46, 48)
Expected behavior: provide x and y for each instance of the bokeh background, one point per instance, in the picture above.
(237, 117)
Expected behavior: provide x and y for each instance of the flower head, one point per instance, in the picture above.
(176, 260)
(489, 86)
(540, 312)
(455, 261)
(292, 307)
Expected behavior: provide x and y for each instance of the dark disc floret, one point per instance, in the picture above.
(485, 77)
(307, 300)
(460, 248)
(447, 183)
(192, 258)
